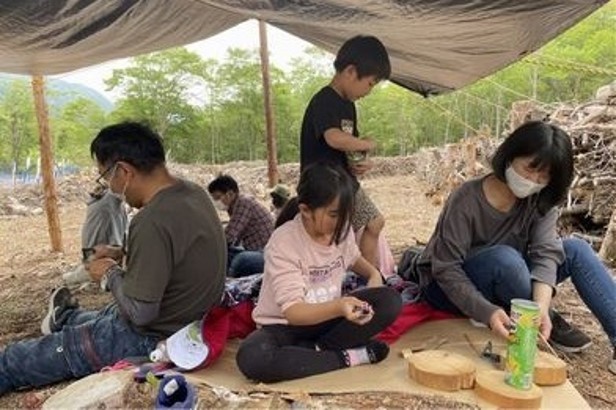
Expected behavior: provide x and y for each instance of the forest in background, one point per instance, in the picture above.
(211, 111)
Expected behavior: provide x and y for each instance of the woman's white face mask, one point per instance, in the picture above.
(520, 186)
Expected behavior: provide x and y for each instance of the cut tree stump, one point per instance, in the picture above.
(490, 385)
(549, 370)
(106, 390)
(442, 370)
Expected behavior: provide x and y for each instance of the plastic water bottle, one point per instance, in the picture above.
(160, 354)
(185, 348)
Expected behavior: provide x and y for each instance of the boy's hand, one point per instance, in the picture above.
(359, 168)
(369, 145)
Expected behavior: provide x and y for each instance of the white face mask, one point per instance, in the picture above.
(120, 195)
(520, 186)
(220, 205)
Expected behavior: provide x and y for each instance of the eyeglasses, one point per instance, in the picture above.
(103, 178)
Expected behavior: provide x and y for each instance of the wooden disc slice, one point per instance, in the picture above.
(549, 370)
(490, 385)
(442, 370)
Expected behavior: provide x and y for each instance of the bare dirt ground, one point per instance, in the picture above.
(28, 270)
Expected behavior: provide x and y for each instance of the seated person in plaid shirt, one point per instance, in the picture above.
(250, 226)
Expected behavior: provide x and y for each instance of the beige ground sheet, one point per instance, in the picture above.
(392, 373)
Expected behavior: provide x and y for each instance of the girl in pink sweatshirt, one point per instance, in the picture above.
(306, 326)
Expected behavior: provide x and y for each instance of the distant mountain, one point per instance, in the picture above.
(61, 92)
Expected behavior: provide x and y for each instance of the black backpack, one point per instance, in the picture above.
(408, 267)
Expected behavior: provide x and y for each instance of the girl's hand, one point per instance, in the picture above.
(375, 281)
(366, 270)
(356, 310)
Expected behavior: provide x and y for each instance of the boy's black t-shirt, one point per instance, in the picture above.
(327, 109)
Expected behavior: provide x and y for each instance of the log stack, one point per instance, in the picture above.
(592, 128)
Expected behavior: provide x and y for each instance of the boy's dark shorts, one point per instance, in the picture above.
(365, 210)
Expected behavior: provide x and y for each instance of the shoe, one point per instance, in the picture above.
(612, 366)
(60, 301)
(565, 337)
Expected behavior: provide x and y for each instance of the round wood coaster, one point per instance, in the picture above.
(442, 370)
(549, 370)
(490, 385)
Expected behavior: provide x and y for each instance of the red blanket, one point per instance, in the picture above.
(222, 324)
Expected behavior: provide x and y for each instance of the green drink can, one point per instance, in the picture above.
(522, 344)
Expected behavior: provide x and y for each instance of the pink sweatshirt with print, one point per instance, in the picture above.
(298, 269)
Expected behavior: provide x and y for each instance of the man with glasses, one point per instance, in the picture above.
(173, 273)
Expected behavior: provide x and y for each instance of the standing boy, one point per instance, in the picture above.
(329, 129)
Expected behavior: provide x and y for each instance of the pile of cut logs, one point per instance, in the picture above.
(591, 203)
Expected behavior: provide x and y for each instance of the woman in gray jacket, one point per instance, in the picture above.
(496, 240)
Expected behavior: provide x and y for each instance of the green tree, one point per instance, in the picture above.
(157, 89)
(17, 124)
(74, 128)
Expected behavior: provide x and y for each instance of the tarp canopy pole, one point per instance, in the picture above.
(270, 128)
(45, 146)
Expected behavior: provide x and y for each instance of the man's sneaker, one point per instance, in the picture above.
(60, 301)
(566, 337)
(612, 366)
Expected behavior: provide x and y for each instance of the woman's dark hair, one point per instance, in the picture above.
(550, 147)
(319, 185)
(130, 142)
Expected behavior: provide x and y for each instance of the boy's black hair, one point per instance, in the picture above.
(367, 54)
(223, 184)
(131, 142)
(320, 184)
(550, 147)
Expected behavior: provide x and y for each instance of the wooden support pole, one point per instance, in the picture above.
(45, 146)
(272, 154)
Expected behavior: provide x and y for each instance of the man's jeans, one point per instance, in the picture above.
(501, 273)
(244, 263)
(88, 341)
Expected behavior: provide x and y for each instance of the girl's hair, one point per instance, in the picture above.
(550, 147)
(319, 185)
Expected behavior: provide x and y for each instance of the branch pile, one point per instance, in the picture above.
(592, 128)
